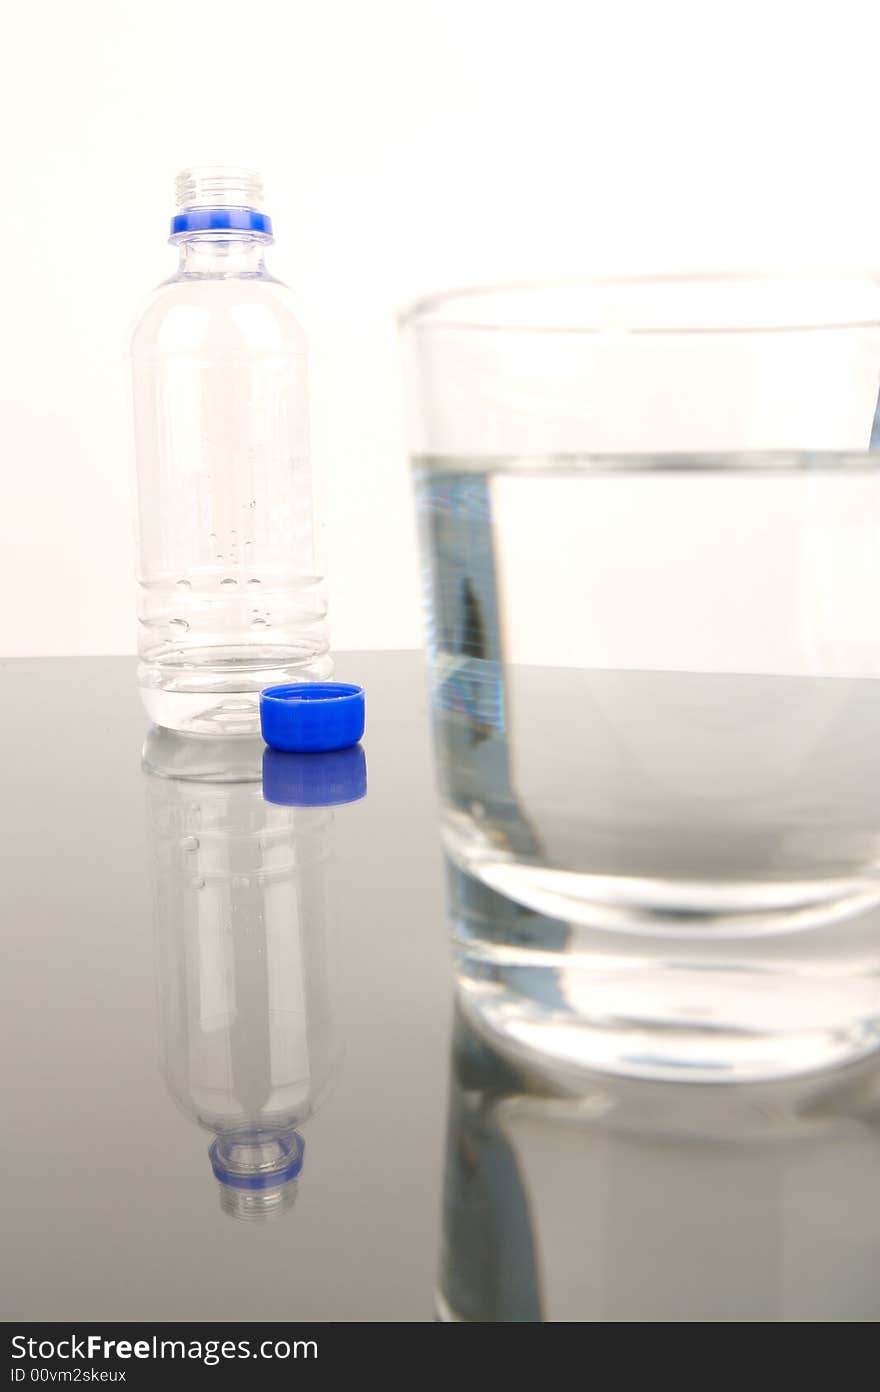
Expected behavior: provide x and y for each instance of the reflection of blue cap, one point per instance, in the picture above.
(314, 780)
(254, 1161)
(309, 716)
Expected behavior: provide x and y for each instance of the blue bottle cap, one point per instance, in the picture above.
(315, 780)
(310, 717)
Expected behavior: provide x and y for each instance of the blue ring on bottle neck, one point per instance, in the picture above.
(268, 1179)
(222, 220)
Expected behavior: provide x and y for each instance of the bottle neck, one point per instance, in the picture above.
(203, 254)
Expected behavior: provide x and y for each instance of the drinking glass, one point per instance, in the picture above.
(650, 528)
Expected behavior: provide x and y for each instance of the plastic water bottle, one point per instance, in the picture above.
(229, 596)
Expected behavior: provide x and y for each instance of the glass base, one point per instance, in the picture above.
(680, 1027)
(669, 905)
(693, 999)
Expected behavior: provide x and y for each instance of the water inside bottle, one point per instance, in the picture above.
(194, 678)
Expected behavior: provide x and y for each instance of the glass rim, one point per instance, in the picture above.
(850, 300)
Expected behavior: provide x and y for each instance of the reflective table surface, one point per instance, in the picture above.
(110, 1209)
(234, 1086)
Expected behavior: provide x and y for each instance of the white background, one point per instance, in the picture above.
(406, 145)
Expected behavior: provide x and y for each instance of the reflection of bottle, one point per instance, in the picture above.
(629, 1201)
(241, 891)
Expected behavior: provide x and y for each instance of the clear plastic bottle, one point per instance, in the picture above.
(229, 596)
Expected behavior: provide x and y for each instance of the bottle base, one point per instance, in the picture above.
(216, 691)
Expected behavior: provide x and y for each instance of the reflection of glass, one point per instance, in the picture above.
(649, 515)
(241, 890)
(633, 1201)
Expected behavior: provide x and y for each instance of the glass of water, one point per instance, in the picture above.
(650, 527)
